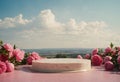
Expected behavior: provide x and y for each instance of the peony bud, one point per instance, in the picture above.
(87, 56)
(95, 51)
(79, 57)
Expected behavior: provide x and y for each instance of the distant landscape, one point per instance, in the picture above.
(69, 52)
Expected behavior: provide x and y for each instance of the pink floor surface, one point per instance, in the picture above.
(25, 74)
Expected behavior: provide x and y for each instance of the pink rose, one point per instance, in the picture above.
(19, 54)
(95, 51)
(30, 59)
(79, 57)
(8, 47)
(107, 58)
(87, 56)
(96, 60)
(109, 66)
(2, 67)
(33, 56)
(3, 57)
(108, 50)
(10, 66)
(118, 59)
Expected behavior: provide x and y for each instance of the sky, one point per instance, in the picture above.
(60, 23)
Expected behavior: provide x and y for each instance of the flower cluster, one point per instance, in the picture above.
(33, 56)
(10, 56)
(87, 56)
(109, 57)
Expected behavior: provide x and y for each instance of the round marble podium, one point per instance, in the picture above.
(61, 65)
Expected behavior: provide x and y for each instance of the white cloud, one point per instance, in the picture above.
(45, 31)
(49, 23)
(9, 22)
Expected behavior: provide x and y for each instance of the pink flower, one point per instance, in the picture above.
(8, 47)
(19, 54)
(30, 59)
(119, 53)
(33, 56)
(2, 67)
(3, 57)
(109, 66)
(95, 51)
(10, 54)
(113, 52)
(118, 59)
(96, 60)
(108, 50)
(79, 57)
(87, 56)
(10, 66)
(118, 48)
(107, 58)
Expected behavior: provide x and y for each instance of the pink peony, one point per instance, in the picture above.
(109, 66)
(10, 54)
(10, 66)
(96, 60)
(87, 56)
(8, 47)
(108, 50)
(118, 59)
(2, 67)
(30, 59)
(95, 51)
(19, 54)
(3, 57)
(107, 58)
(79, 57)
(33, 56)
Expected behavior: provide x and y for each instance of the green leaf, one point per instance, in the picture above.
(14, 46)
(1, 42)
(111, 45)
